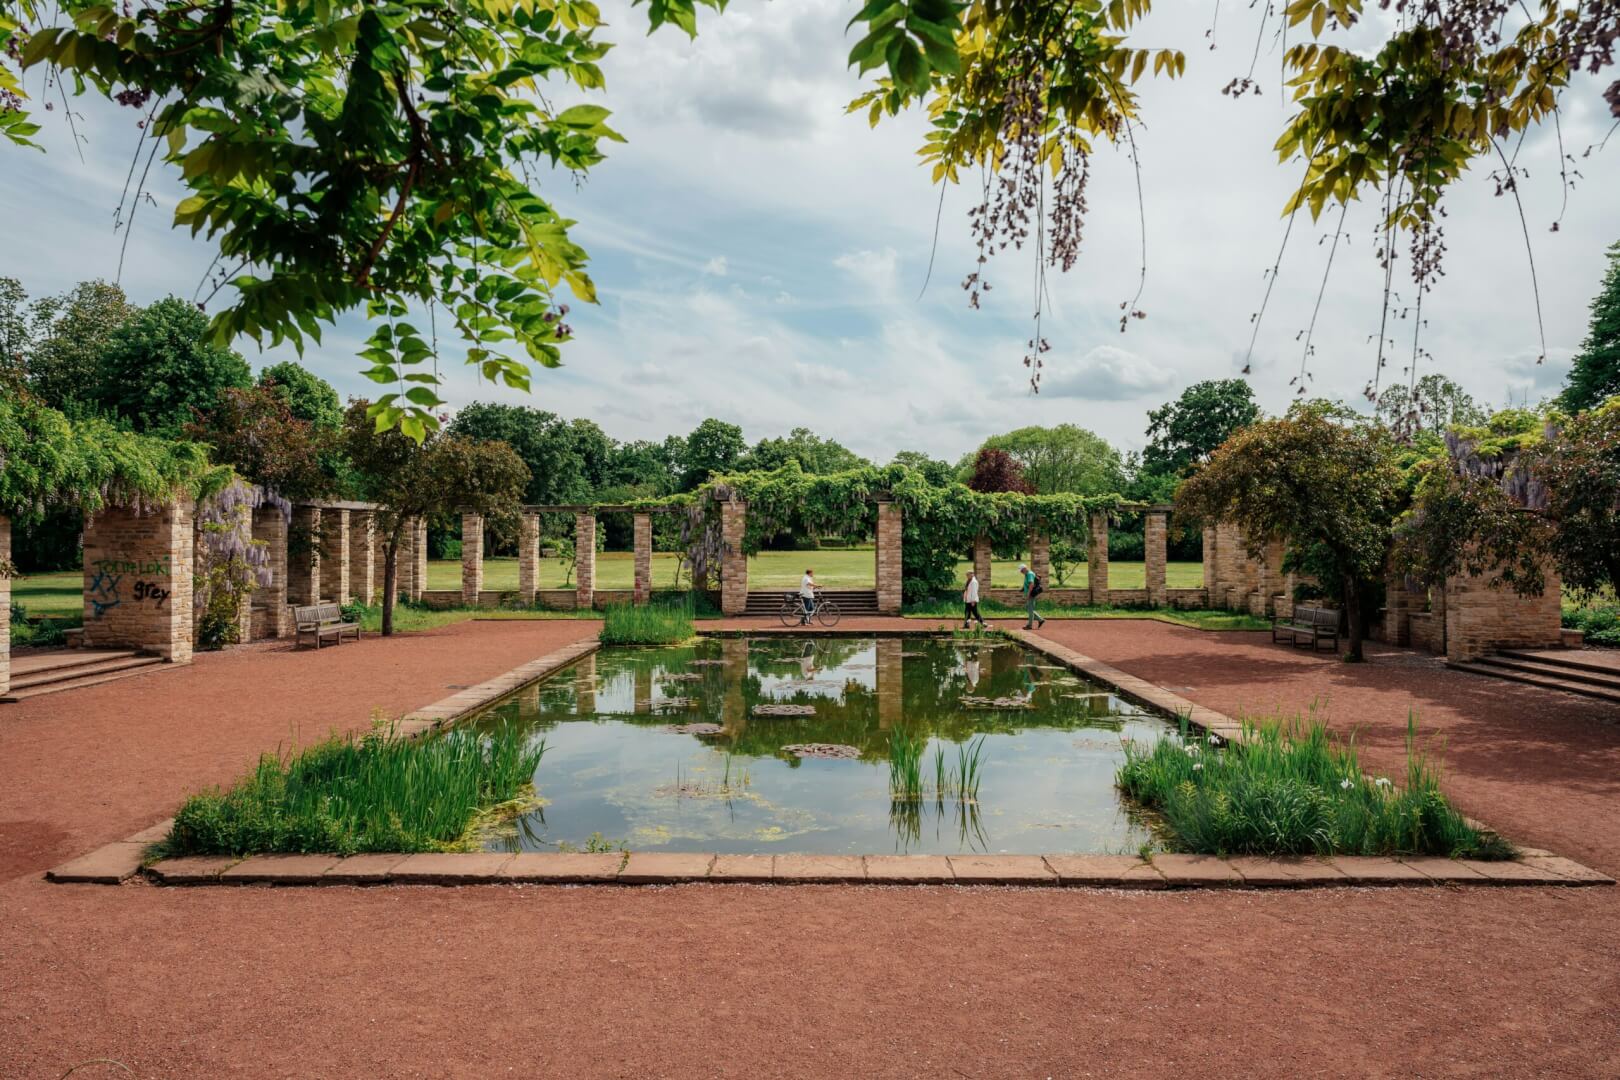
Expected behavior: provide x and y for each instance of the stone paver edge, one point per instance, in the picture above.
(1097, 871)
(120, 860)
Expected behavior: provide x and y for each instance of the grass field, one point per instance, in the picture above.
(836, 568)
(50, 594)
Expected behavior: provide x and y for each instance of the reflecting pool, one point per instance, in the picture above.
(773, 745)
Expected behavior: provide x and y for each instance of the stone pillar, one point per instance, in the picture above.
(1480, 617)
(1156, 537)
(5, 602)
(472, 558)
(1399, 604)
(335, 555)
(304, 560)
(419, 560)
(982, 559)
(1040, 557)
(1097, 557)
(644, 544)
(138, 579)
(733, 559)
(889, 556)
(271, 619)
(584, 560)
(1268, 580)
(1229, 570)
(1212, 575)
(363, 556)
(528, 558)
(890, 682)
(404, 562)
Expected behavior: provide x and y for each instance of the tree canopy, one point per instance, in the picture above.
(54, 344)
(1432, 403)
(1595, 374)
(1065, 458)
(307, 395)
(1187, 430)
(160, 368)
(1319, 479)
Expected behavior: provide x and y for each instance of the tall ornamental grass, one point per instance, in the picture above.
(1290, 789)
(664, 622)
(377, 793)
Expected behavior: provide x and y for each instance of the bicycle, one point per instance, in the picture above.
(792, 611)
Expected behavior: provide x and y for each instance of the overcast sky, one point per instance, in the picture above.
(759, 255)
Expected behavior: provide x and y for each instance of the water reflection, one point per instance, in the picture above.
(724, 782)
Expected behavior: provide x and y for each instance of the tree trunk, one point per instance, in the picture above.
(390, 571)
(1352, 609)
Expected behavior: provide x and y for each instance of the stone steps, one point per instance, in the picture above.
(765, 604)
(1547, 674)
(75, 673)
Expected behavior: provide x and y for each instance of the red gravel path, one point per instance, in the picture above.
(745, 981)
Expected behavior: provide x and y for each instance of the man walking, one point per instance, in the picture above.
(1031, 589)
(970, 601)
(807, 596)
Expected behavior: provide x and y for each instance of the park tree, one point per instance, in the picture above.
(160, 368)
(551, 448)
(1432, 403)
(713, 447)
(938, 473)
(440, 474)
(813, 453)
(1595, 374)
(66, 336)
(1525, 492)
(997, 470)
(256, 432)
(429, 124)
(1060, 459)
(308, 396)
(1186, 431)
(1319, 479)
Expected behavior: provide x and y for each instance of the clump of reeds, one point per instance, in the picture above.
(381, 792)
(663, 622)
(951, 780)
(1289, 788)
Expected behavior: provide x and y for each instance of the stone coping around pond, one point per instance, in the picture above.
(669, 868)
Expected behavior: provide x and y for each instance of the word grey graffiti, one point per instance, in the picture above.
(151, 590)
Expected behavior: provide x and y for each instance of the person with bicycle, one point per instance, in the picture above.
(807, 596)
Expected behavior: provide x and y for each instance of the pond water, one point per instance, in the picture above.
(618, 765)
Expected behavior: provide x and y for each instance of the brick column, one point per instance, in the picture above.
(1040, 557)
(363, 556)
(1399, 604)
(643, 535)
(1212, 577)
(472, 558)
(271, 619)
(733, 559)
(138, 580)
(1229, 568)
(405, 562)
(5, 602)
(1268, 580)
(889, 558)
(584, 560)
(982, 558)
(304, 564)
(419, 560)
(1480, 617)
(1097, 557)
(528, 557)
(1156, 537)
(890, 682)
(335, 555)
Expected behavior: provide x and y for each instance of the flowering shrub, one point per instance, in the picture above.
(230, 563)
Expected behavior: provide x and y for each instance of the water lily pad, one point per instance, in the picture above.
(822, 750)
(695, 729)
(784, 710)
(968, 701)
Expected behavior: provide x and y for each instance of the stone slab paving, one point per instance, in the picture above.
(663, 868)
(473, 698)
(107, 865)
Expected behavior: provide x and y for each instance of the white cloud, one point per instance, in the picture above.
(1106, 373)
(715, 267)
(877, 271)
(820, 376)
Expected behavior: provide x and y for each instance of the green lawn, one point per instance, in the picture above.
(836, 568)
(59, 594)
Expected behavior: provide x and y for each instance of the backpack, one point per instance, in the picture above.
(1035, 586)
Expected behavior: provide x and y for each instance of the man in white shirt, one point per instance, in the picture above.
(807, 596)
(970, 601)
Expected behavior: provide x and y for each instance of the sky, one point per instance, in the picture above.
(761, 257)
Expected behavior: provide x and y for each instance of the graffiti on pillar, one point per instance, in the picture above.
(105, 588)
(102, 592)
(151, 590)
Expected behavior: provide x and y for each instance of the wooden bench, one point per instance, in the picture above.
(1312, 624)
(321, 622)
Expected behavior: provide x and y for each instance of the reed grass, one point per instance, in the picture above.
(664, 622)
(1289, 788)
(952, 780)
(380, 792)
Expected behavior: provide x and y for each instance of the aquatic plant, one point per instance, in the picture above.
(1289, 788)
(958, 780)
(381, 792)
(665, 622)
(905, 765)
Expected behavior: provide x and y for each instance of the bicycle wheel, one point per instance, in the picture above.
(827, 613)
(789, 613)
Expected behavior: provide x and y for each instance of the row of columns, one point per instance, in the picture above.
(1156, 537)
